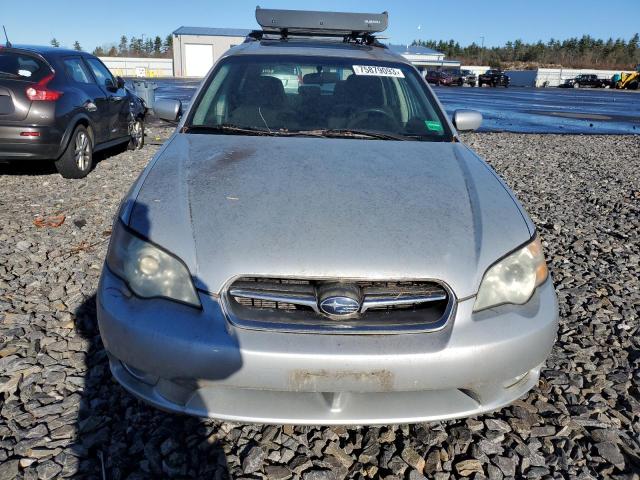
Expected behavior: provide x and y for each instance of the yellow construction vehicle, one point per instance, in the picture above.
(629, 80)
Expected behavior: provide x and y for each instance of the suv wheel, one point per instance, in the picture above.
(136, 130)
(77, 159)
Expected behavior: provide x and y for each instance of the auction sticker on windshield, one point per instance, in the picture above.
(377, 71)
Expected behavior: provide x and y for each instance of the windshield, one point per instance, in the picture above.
(284, 95)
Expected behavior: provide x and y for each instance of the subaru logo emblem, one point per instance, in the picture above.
(339, 305)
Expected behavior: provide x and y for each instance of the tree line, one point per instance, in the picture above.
(132, 47)
(585, 52)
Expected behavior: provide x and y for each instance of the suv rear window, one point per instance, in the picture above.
(22, 66)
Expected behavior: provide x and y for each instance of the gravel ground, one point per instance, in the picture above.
(62, 415)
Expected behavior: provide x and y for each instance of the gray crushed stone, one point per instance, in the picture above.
(62, 415)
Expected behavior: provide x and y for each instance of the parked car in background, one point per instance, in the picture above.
(469, 77)
(442, 77)
(63, 105)
(585, 80)
(335, 258)
(493, 78)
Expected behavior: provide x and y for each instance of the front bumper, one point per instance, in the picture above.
(13, 146)
(186, 360)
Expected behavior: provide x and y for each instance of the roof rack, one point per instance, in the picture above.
(357, 27)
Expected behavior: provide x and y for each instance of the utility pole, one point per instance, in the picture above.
(482, 49)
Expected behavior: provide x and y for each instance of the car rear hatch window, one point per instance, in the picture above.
(18, 70)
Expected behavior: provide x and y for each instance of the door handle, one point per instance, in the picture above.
(90, 106)
(115, 98)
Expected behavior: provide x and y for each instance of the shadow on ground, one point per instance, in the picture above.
(119, 437)
(47, 167)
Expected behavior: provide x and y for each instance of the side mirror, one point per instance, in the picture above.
(467, 120)
(108, 84)
(168, 109)
(119, 82)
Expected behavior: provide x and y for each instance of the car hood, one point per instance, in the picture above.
(327, 208)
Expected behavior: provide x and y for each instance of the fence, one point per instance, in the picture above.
(552, 77)
(139, 67)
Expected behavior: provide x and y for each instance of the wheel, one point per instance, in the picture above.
(136, 130)
(460, 83)
(634, 85)
(576, 85)
(77, 159)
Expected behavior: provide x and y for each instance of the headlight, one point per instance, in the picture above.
(148, 270)
(514, 278)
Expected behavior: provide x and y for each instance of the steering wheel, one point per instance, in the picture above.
(366, 119)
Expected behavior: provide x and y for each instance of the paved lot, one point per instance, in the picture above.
(520, 110)
(61, 414)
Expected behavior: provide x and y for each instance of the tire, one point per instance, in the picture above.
(576, 85)
(634, 85)
(77, 159)
(136, 130)
(461, 83)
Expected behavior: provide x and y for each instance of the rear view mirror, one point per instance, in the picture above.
(168, 109)
(467, 120)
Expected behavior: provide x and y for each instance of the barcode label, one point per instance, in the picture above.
(377, 71)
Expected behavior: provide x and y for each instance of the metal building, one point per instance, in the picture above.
(424, 58)
(196, 49)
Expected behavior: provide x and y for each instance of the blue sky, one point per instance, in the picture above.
(98, 22)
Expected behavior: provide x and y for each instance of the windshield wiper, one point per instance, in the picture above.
(350, 133)
(228, 128)
(330, 133)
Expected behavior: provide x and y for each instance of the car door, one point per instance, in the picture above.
(117, 98)
(92, 100)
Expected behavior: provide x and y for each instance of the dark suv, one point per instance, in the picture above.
(63, 105)
(438, 77)
(493, 78)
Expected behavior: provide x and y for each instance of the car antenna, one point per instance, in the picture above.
(8, 43)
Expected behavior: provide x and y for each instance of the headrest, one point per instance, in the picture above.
(365, 91)
(262, 91)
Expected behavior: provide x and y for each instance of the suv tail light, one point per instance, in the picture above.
(40, 93)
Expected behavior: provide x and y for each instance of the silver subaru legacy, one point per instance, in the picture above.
(331, 254)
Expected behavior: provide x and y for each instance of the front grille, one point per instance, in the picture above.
(294, 304)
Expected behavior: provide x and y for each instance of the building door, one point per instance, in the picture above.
(198, 59)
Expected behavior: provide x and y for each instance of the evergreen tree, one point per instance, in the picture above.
(76, 46)
(168, 44)
(582, 52)
(122, 47)
(55, 42)
(157, 46)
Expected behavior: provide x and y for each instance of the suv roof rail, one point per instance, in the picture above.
(358, 27)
